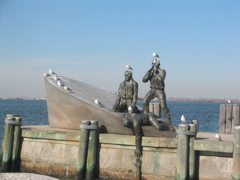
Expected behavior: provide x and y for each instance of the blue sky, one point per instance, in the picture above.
(91, 41)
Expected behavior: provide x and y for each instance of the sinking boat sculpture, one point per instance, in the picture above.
(70, 101)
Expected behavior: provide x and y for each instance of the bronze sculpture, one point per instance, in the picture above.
(127, 94)
(156, 76)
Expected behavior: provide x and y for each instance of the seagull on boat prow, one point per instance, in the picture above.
(155, 55)
(183, 119)
(217, 136)
(46, 75)
(51, 72)
(129, 67)
(98, 103)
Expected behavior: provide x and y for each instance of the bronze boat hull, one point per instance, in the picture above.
(67, 108)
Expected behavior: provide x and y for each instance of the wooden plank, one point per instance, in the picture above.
(16, 145)
(213, 145)
(236, 154)
(182, 154)
(53, 141)
(229, 119)
(82, 152)
(192, 153)
(222, 118)
(103, 138)
(235, 116)
(116, 139)
(50, 134)
(151, 108)
(92, 152)
(7, 146)
(130, 140)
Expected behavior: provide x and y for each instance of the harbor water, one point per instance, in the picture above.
(34, 112)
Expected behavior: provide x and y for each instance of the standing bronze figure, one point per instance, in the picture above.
(156, 76)
(127, 94)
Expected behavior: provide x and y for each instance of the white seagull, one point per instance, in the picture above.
(55, 77)
(46, 75)
(155, 55)
(183, 119)
(60, 83)
(129, 67)
(217, 136)
(97, 102)
(130, 110)
(51, 72)
(66, 88)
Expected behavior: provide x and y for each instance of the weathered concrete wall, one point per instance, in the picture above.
(49, 157)
(53, 152)
(219, 168)
(118, 161)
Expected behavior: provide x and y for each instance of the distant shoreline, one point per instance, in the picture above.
(200, 100)
(219, 100)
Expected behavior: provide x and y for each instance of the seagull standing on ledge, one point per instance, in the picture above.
(155, 55)
(129, 67)
(130, 110)
(217, 136)
(97, 102)
(183, 119)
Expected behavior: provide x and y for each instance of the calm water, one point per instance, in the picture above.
(35, 112)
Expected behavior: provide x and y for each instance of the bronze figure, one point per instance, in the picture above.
(156, 76)
(127, 94)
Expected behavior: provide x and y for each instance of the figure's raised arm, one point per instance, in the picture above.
(148, 75)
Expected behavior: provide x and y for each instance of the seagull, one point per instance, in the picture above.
(130, 110)
(55, 77)
(155, 55)
(129, 67)
(229, 101)
(46, 75)
(97, 102)
(51, 72)
(183, 119)
(66, 88)
(60, 83)
(217, 136)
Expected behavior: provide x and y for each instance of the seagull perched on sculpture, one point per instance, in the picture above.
(129, 67)
(55, 77)
(98, 103)
(59, 83)
(66, 88)
(183, 119)
(155, 55)
(130, 110)
(46, 75)
(217, 136)
(51, 72)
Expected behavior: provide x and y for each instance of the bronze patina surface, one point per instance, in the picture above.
(67, 107)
